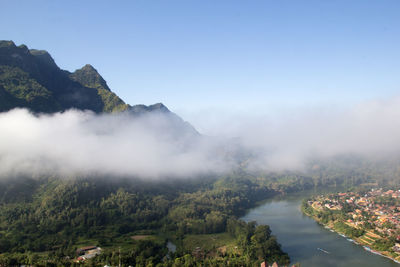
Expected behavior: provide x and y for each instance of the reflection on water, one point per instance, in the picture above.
(301, 236)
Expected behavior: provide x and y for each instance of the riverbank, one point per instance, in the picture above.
(300, 236)
(365, 240)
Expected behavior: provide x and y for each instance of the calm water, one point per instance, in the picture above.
(300, 236)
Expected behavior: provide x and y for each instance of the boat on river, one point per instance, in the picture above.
(327, 252)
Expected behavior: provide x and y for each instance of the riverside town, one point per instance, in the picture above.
(369, 218)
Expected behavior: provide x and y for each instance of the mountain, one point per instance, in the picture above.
(90, 78)
(30, 78)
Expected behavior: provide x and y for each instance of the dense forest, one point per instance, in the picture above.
(54, 216)
(44, 220)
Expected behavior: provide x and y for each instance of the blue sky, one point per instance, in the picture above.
(221, 56)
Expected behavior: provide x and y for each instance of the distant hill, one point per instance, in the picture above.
(30, 78)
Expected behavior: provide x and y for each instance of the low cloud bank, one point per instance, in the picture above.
(150, 146)
(83, 143)
(370, 129)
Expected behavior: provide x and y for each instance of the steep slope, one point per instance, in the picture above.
(18, 89)
(90, 78)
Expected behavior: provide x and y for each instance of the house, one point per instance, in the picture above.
(82, 250)
(80, 259)
(87, 253)
(396, 247)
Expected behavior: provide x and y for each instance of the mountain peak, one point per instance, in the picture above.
(9, 48)
(90, 77)
(159, 106)
(43, 56)
(89, 67)
(4, 43)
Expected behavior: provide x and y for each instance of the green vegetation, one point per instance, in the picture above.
(210, 242)
(45, 220)
(31, 79)
(90, 78)
(383, 244)
(18, 89)
(112, 103)
(49, 218)
(348, 230)
(335, 218)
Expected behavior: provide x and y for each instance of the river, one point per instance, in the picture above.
(301, 236)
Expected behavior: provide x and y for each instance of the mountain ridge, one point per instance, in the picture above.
(30, 78)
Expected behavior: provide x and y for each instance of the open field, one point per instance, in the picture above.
(224, 241)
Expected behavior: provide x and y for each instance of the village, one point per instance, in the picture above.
(371, 218)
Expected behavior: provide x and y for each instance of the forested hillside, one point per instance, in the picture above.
(47, 219)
